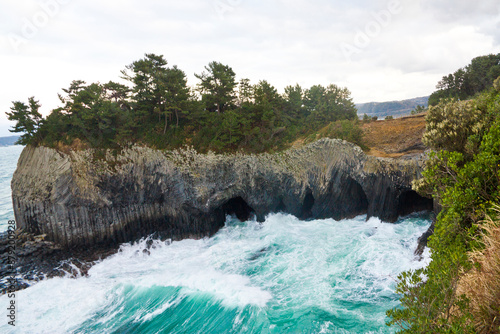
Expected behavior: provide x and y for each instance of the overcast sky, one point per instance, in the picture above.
(380, 50)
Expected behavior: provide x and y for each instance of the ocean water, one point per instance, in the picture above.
(284, 275)
(8, 162)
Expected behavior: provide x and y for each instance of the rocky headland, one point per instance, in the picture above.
(83, 200)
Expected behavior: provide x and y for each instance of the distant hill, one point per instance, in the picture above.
(7, 141)
(392, 108)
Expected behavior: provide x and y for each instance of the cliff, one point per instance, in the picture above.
(77, 198)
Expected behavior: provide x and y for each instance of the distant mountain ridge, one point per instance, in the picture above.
(8, 141)
(391, 108)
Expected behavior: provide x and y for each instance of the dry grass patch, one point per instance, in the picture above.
(395, 137)
(482, 284)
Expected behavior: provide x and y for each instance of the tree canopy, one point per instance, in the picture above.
(217, 86)
(468, 81)
(27, 118)
(156, 107)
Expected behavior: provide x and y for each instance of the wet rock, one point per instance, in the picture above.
(258, 254)
(422, 240)
(30, 259)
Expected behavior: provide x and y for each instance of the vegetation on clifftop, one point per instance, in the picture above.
(468, 81)
(160, 110)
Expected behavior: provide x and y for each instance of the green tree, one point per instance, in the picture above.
(177, 93)
(339, 103)
(231, 126)
(245, 92)
(217, 86)
(328, 104)
(481, 72)
(294, 103)
(89, 114)
(468, 81)
(119, 93)
(148, 79)
(313, 101)
(268, 104)
(418, 110)
(28, 120)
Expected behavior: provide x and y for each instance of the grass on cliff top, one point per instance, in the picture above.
(395, 137)
(390, 138)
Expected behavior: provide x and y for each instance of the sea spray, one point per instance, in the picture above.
(283, 275)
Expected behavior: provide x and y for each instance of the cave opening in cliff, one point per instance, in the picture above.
(357, 200)
(238, 207)
(307, 205)
(281, 206)
(410, 201)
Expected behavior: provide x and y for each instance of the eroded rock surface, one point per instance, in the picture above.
(80, 199)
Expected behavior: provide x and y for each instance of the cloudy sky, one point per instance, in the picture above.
(380, 50)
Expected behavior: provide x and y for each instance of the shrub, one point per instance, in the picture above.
(346, 130)
(455, 126)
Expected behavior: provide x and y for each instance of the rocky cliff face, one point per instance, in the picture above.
(79, 199)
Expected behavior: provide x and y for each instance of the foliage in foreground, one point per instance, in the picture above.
(160, 110)
(463, 175)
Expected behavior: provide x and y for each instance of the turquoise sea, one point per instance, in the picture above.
(284, 275)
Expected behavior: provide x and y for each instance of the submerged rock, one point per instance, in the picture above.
(79, 199)
(26, 258)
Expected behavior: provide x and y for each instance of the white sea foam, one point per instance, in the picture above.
(190, 264)
(283, 265)
(148, 316)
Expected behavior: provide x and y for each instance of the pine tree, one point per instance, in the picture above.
(28, 120)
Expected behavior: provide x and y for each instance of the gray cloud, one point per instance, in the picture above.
(285, 42)
(461, 10)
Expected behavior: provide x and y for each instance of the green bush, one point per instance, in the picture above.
(455, 126)
(348, 130)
